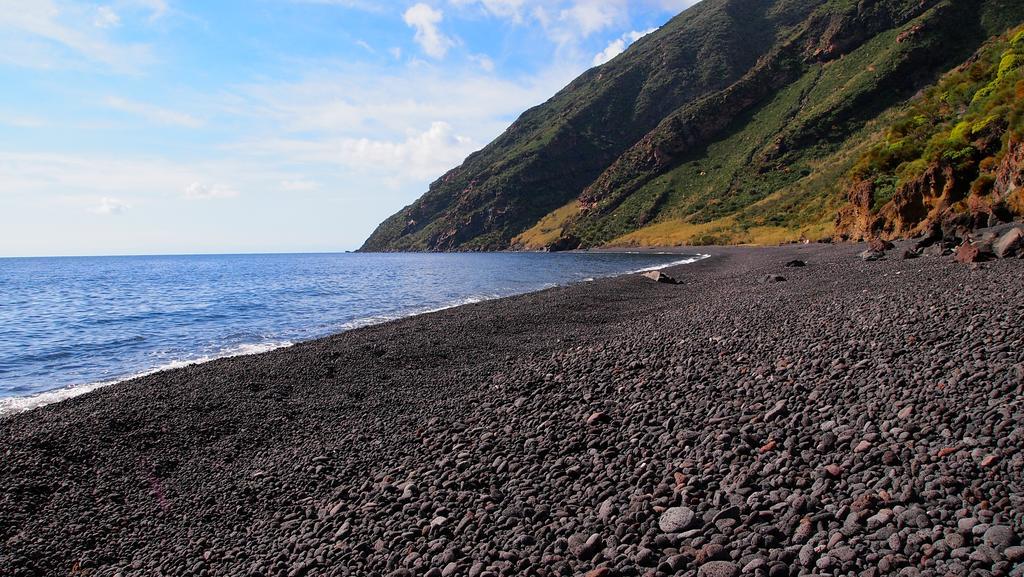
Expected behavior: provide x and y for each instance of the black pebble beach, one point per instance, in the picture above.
(846, 418)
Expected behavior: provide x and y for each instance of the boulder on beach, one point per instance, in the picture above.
(658, 276)
(880, 245)
(1009, 244)
(968, 253)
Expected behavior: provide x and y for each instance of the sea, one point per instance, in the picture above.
(69, 325)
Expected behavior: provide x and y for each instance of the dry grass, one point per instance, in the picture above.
(725, 231)
(549, 229)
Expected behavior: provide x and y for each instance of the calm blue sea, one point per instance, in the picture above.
(68, 325)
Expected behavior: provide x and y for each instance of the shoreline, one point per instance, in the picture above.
(615, 428)
(14, 405)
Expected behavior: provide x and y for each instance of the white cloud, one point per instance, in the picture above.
(156, 8)
(365, 5)
(44, 34)
(355, 101)
(591, 17)
(420, 156)
(511, 9)
(483, 61)
(21, 120)
(154, 114)
(424, 20)
(299, 185)
(619, 45)
(107, 205)
(106, 18)
(200, 191)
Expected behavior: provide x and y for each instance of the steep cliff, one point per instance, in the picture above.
(954, 153)
(738, 121)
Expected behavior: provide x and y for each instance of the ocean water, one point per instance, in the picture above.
(70, 325)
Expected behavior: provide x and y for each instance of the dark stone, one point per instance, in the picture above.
(658, 276)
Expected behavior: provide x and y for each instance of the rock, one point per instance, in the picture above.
(999, 537)
(718, 569)
(796, 264)
(834, 471)
(585, 548)
(843, 554)
(658, 276)
(676, 520)
(803, 531)
(599, 572)
(774, 278)
(645, 557)
(990, 461)
(968, 253)
(1014, 554)
(1009, 244)
(905, 412)
(912, 253)
(871, 255)
(862, 447)
(755, 564)
(606, 510)
(779, 410)
(598, 418)
(879, 245)
(966, 525)
(879, 519)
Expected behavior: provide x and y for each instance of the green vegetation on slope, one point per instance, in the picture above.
(776, 173)
(739, 121)
(961, 128)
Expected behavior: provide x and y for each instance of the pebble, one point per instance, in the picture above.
(838, 424)
(676, 519)
(718, 569)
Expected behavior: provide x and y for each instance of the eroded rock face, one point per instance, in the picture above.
(911, 211)
(936, 198)
(1009, 183)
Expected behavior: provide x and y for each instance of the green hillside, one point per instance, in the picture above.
(738, 121)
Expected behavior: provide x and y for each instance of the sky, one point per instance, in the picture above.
(179, 127)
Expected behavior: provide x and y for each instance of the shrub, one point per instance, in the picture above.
(983, 185)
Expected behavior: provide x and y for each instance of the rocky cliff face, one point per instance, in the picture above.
(734, 121)
(955, 153)
(1009, 178)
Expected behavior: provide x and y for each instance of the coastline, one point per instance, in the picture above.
(18, 404)
(498, 438)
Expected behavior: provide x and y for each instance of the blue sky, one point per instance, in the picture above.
(173, 126)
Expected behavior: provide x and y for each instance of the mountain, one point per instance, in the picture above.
(737, 121)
